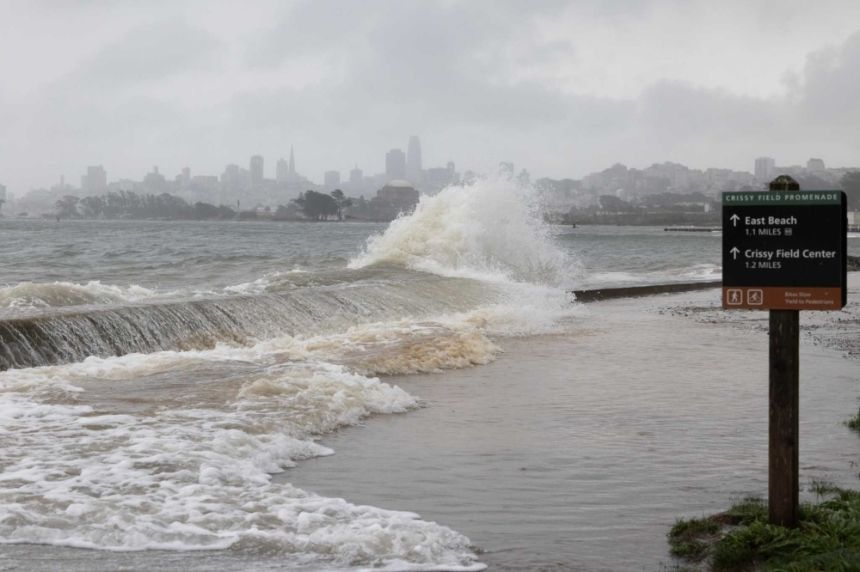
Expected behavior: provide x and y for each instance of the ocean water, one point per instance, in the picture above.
(425, 395)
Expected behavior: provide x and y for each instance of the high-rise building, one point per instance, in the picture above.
(292, 171)
(282, 171)
(231, 178)
(95, 181)
(815, 165)
(765, 168)
(395, 164)
(185, 177)
(413, 160)
(332, 180)
(256, 168)
(2, 194)
(356, 178)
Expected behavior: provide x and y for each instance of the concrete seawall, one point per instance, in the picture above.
(597, 294)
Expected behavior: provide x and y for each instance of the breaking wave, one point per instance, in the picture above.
(30, 295)
(490, 230)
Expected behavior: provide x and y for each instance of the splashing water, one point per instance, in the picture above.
(489, 231)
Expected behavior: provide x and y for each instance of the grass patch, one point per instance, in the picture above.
(688, 539)
(854, 422)
(823, 488)
(828, 537)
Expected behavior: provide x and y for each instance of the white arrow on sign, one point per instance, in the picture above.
(734, 218)
(735, 253)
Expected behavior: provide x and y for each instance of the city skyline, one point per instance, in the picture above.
(563, 87)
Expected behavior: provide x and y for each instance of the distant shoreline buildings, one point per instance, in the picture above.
(249, 188)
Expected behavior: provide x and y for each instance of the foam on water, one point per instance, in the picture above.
(29, 295)
(188, 476)
(26, 296)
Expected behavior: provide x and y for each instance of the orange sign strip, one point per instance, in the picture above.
(781, 298)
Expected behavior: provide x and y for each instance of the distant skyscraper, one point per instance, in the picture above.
(185, 177)
(395, 164)
(256, 168)
(232, 178)
(292, 171)
(95, 181)
(282, 171)
(356, 178)
(815, 165)
(155, 181)
(764, 168)
(332, 180)
(413, 160)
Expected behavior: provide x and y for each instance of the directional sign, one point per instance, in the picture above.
(784, 250)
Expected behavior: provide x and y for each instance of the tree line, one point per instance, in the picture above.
(130, 205)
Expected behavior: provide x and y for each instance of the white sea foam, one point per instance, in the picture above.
(30, 295)
(263, 283)
(490, 230)
(40, 295)
(198, 476)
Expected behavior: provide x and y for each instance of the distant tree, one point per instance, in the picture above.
(342, 202)
(67, 207)
(611, 203)
(92, 207)
(813, 183)
(317, 206)
(851, 185)
(206, 211)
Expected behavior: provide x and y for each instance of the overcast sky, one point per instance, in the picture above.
(561, 88)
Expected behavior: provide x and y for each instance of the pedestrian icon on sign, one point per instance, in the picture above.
(735, 297)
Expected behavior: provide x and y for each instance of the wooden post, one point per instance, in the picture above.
(783, 426)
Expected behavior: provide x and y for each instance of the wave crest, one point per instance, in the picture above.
(30, 295)
(490, 230)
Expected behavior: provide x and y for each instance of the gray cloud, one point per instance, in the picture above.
(149, 53)
(480, 81)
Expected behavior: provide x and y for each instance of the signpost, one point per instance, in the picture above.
(784, 251)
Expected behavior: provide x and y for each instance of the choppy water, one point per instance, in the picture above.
(157, 375)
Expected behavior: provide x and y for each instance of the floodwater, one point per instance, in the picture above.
(579, 451)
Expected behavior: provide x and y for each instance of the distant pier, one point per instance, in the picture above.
(692, 228)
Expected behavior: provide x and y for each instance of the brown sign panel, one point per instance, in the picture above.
(781, 298)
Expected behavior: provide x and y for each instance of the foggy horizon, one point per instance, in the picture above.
(563, 89)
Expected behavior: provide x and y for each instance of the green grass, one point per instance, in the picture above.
(827, 538)
(854, 422)
(688, 538)
(823, 488)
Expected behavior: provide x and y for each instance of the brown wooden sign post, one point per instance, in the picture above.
(784, 413)
(784, 251)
